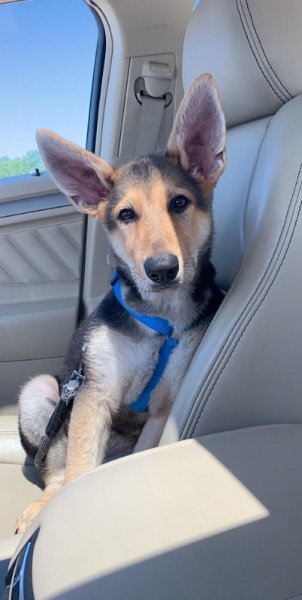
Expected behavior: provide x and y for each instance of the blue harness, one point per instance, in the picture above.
(70, 387)
(161, 326)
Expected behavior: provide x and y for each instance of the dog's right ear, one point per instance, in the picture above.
(85, 178)
(198, 136)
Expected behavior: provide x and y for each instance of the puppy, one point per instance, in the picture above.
(156, 211)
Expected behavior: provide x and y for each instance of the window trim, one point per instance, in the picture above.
(25, 186)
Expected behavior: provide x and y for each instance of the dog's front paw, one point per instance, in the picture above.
(25, 519)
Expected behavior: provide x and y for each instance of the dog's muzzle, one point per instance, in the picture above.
(162, 269)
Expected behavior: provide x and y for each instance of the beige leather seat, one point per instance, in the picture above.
(248, 369)
(218, 516)
(19, 485)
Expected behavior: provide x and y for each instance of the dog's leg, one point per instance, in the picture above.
(38, 399)
(89, 431)
(52, 487)
(53, 476)
(151, 434)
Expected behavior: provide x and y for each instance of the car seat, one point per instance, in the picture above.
(215, 511)
(247, 371)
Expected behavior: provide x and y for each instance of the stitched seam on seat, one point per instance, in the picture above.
(264, 297)
(245, 308)
(252, 177)
(259, 58)
(283, 88)
(277, 94)
(244, 330)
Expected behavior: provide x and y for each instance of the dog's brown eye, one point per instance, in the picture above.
(179, 204)
(126, 215)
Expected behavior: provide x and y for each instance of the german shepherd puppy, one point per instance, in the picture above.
(156, 211)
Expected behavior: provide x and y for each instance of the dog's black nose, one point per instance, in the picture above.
(162, 268)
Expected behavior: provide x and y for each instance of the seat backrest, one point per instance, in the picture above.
(248, 369)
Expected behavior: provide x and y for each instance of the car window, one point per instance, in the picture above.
(47, 54)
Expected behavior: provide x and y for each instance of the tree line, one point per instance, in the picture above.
(9, 167)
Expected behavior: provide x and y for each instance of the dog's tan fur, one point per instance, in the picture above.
(156, 230)
(118, 366)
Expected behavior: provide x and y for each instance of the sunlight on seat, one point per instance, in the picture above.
(183, 497)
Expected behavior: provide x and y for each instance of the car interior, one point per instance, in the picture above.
(214, 511)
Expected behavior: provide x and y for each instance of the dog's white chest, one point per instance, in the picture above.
(121, 367)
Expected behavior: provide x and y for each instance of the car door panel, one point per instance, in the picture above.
(40, 263)
(41, 234)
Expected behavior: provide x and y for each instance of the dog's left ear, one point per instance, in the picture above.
(199, 134)
(86, 179)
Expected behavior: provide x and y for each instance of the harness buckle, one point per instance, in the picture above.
(70, 388)
(68, 392)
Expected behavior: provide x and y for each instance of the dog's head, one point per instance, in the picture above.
(156, 209)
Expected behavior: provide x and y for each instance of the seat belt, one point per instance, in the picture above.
(151, 116)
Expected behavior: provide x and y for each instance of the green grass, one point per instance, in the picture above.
(9, 167)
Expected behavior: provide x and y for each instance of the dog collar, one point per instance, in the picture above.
(161, 326)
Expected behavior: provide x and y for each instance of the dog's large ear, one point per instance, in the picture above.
(198, 134)
(79, 174)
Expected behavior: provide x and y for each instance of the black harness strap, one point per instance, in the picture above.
(59, 415)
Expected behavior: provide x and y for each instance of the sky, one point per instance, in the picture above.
(47, 52)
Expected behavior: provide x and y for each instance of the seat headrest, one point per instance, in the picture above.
(253, 48)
